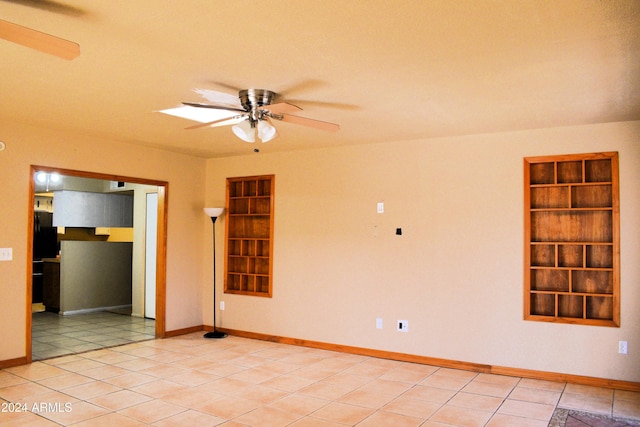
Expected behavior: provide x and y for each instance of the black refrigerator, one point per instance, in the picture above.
(45, 245)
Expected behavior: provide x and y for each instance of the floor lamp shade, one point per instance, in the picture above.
(214, 213)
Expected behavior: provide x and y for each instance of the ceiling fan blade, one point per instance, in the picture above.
(318, 124)
(219, 98)
(215, 107)
(322, 104)
(231, 120)
(43, 42)
(302, 86)
(51, 6)
(226, 86)
(281, 107)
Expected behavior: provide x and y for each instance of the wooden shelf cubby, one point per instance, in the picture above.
(572, 242)
(249, 235)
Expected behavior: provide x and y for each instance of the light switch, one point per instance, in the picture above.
(6, 254)
(380, 207)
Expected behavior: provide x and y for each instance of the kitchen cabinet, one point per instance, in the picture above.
(43, 204)
(86, 209)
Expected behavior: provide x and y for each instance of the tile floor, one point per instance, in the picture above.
(54, 335)
(233, 382)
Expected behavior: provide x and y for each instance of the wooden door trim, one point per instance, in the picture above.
(161, 256)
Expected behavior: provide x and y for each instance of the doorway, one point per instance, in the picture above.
(149, 320)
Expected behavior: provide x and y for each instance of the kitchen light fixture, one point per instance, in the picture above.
(214, 213)
(47, 178)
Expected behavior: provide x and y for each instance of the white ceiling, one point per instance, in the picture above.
(385, 70)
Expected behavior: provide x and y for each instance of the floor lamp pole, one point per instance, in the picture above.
(214, 334)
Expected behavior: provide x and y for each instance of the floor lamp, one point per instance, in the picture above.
(214, 213)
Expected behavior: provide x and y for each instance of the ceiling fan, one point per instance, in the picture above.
(38, 40)
(251, 115)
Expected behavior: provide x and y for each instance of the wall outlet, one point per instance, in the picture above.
(403, 325)
(622, 347)
(379, 323)
(221, 305)
(6, 254)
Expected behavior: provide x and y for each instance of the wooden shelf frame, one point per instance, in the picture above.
(248, 265)
(572, 239)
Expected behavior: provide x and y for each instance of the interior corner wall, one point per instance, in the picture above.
(27, 145)
(455, 273)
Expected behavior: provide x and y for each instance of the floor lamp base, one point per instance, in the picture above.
(215, 334)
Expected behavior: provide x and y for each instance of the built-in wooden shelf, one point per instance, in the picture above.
(572, 242)
(249, 235)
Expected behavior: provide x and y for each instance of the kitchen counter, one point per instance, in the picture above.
(91, 275)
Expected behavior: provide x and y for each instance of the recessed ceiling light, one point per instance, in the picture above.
(2, 146)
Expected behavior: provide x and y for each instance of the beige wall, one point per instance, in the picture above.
(29, 145)
(456, 273)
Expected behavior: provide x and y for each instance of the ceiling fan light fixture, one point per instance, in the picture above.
(256, 109)
(244, 131)
(266, 131)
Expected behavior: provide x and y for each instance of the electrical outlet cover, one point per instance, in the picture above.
(403, 325)
(622, 347)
